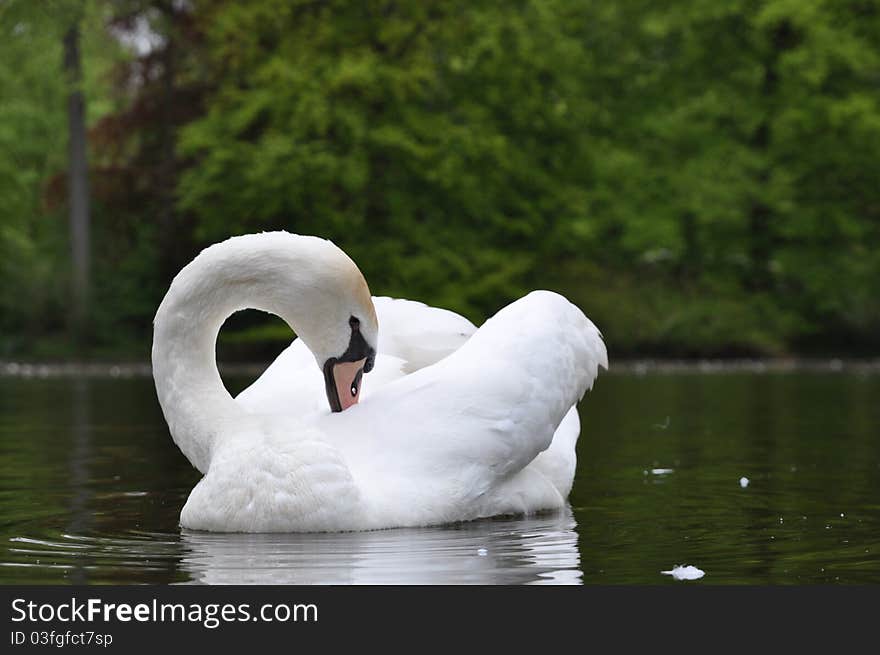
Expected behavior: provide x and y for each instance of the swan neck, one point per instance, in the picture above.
(241, 273)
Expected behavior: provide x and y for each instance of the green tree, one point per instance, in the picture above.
(698, 176)
(437, 142)
(735, 196)
(35, 242)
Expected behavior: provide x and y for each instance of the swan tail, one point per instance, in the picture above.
(559, 462)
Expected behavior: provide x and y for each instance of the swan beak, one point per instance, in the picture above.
(343, 383)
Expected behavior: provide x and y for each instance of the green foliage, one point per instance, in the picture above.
(29, 126)
(433, 140)
(700, 177)
(33, 136)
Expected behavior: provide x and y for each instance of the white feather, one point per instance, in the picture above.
(455, 422)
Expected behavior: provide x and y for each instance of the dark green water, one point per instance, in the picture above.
(91, 486)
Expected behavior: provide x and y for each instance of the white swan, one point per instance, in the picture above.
(413, 336)
(467, 436)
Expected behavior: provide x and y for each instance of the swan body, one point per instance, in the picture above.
(454, 423)
(413, 336)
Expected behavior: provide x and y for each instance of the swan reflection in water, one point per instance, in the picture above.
(534, 550)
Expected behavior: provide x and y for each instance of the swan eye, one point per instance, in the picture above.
(356, 383)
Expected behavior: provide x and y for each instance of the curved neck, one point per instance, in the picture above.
(272, 272)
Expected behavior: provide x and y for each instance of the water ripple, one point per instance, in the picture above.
(536, 550)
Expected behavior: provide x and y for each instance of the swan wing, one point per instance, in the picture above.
(417, 333)
(465, 426)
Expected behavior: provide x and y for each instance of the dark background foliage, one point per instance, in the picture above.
(700, 177)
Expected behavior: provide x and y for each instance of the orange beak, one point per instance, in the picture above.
(347, 377)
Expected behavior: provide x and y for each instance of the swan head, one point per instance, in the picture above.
(343, 375)
(336, 319)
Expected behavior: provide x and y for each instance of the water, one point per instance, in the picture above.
(91, 486)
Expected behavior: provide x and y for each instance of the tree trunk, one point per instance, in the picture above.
(78, 186)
